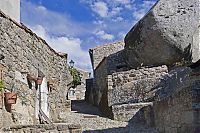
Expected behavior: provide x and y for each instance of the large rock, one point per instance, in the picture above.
(165, 35)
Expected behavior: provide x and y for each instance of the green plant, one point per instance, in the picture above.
(76, 77)
(2, 85)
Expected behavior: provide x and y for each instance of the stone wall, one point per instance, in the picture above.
(116, 62)
(97, 54)
(132, 112)
(101, 80)
(27, 54)
(89, 88)
(174, 114)
(125, 87)
(135, 85)
(105, 60)
(176, 108)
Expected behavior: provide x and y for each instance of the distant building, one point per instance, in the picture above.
(11, 8)
(78, 93)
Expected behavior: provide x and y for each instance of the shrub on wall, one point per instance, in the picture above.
(76, 77)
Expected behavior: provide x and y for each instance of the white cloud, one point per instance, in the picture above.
(69, 45)
(139, 14)
(98, 22)
(113, 20)
(122, 1)
(52, 21)
(142, 9)
(148, 4)
(41, 8)
(100, 8)
(115, 11)
(128, 6)
(104, 35)
(118, 19)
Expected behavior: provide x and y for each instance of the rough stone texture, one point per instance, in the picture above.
(128, 112)
(134, 85)
(59, 128)
(176, 108)
(5, 118)
(11, 8)
(101, 81)
(97, 54)
(173, 81)
(175, 114)
(24, 53)
(116, 62)
(105, 59)
(125, 87)
(164, 35)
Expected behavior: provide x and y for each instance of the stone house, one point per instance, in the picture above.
(99, 57)
(28, 57)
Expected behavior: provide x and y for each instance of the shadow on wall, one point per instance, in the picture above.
(80, 106)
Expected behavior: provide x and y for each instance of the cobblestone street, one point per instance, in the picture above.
(92, 121)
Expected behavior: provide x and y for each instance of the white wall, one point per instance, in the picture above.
(11, 8)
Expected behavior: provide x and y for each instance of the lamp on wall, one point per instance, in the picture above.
(71, 63)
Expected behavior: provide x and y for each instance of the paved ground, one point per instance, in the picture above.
(92, 121)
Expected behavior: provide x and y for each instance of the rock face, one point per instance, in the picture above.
(165, 35)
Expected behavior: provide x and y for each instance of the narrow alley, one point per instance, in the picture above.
(92, 121)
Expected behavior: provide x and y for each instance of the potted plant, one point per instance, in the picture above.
(39, 80)
(11, 96)
(31, 78)
(50, 84)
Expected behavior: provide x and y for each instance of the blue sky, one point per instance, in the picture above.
(74, 26)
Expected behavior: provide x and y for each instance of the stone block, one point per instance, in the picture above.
(130, 112)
